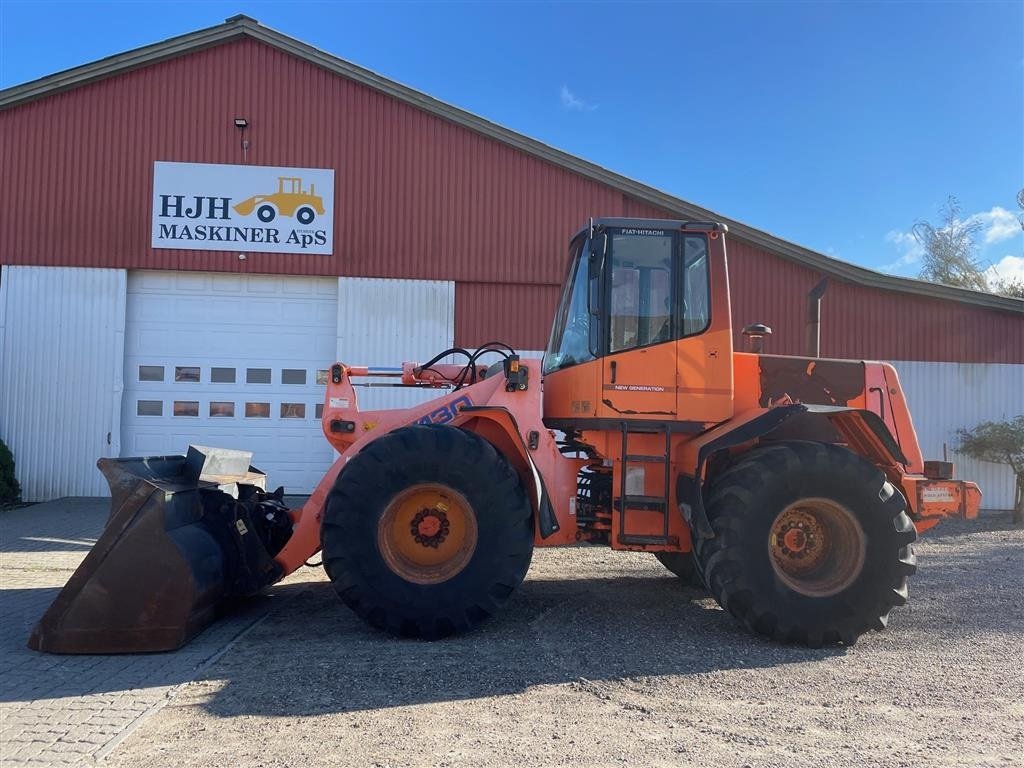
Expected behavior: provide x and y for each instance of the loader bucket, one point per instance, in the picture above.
(179, 540)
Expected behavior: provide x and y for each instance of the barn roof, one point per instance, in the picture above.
(244, 26)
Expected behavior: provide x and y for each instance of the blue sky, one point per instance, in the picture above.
(834, 125)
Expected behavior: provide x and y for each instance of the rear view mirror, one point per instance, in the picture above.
(598, 246)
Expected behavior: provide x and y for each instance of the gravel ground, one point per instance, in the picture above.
(603, 658)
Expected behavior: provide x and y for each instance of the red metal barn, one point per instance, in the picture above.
(123, 345)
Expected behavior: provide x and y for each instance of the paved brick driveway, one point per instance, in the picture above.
(57, 710)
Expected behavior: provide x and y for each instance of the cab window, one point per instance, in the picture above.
(696, 309)
(641, 290)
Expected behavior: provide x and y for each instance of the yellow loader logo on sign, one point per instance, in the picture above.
(295, 202)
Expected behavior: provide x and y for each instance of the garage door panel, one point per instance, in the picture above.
(274, 323)
(156, 308)
(159, 281)
(298, 288)
(195, 281)
(316, 315)
(260, 284)
(233, 322)
(148, 445)
(183, 344)
(225, 284)
(170, 344)
(199, 311)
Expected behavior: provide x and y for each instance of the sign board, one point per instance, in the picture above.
(244, 208)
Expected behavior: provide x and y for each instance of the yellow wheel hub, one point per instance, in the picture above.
(427, 533)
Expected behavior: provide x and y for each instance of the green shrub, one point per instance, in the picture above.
(10, 491)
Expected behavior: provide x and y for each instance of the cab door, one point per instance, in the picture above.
(639, 368)
(704, 372)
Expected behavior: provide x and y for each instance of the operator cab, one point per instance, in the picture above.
(639, 313)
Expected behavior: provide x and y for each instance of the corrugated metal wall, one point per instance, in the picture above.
(946, 396)
(61, 357)
(416, 197)
(519, 315)
(863, 323)
(385, 322)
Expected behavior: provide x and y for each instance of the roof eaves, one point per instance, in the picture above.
(123, 62)
(237, 26)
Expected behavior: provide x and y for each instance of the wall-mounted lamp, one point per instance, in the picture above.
(241, 124)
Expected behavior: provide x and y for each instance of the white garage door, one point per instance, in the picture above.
(230, 361)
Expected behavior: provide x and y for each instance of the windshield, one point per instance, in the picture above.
(570, 336)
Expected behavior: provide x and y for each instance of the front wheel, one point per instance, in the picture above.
(427, 532)
(812, 544)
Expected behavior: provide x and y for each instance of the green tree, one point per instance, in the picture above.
(1001, 442)
(950, 253)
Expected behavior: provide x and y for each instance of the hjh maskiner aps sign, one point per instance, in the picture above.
(242, 208)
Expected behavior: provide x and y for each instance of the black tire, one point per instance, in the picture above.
(683, 565)
(305, 215)
(372, 483)
(266, 213)
(743, 571)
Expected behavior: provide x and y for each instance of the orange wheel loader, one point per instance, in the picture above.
(792, 488)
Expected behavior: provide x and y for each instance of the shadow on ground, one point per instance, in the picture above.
(314, 656)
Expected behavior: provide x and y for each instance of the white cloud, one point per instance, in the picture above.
(1000, 224)
(1007, 268)
(572, 103)
(911, 251)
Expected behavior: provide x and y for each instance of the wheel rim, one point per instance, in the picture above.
(427, 533)
(817, 547)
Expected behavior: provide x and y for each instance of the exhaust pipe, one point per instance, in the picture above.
(755, 334)
(813, 343)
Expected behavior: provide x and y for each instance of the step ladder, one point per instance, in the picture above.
(626, 502)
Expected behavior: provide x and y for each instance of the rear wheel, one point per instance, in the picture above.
(427, 532)
(812, 544)
(683, 565)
